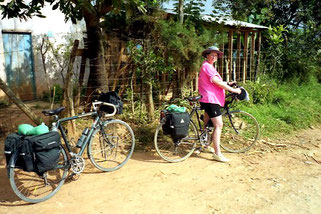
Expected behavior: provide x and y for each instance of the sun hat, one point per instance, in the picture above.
(212, 49)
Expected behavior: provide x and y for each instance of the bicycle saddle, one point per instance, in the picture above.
(53, 111)
(194, 99)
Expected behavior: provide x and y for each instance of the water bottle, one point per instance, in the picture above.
(82, 138)
(54, 127)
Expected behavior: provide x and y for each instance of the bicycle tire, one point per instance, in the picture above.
(245, 134)
(169, 151)
(110, 149)
(31, 187)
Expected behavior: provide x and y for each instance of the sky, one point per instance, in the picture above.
(208, 6)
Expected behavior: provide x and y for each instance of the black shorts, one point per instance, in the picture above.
(213, 110)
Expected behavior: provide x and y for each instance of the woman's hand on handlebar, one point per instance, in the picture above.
(232, 84)
(236, 91)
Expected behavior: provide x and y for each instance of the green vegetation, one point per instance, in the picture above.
(284, 108)
(4, 103)
(280, 109)
(164, 56)
(58, 96)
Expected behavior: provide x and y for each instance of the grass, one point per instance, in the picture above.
(289, 108)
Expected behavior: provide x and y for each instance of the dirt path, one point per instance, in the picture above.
(268, 179)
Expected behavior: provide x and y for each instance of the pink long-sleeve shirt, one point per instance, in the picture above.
(211, 93)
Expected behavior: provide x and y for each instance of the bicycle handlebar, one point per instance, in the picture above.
(100, 103)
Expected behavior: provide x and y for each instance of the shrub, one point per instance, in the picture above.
(261, 93)
(4, 103)
(58, 94)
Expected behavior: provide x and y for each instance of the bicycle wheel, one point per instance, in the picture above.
(31, 187)
(240, 132)
(111, 146)
(175, 152)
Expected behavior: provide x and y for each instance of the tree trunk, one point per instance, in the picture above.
(68, 88)
(97, 76)
(176, 85)
(19, 103)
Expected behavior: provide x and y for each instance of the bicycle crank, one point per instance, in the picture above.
(77, 164)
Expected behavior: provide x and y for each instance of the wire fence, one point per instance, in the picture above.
(119, 81)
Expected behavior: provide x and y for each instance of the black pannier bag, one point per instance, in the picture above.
(46, 149)
(166, 126)
(25, 159)
(113, 98)
(179, 124)
(11, 144)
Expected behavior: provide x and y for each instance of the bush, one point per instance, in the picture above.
(4, 103)
(58, 94)
(261, 92)
(286, 108)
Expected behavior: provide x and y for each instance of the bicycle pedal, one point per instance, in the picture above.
(74, 176)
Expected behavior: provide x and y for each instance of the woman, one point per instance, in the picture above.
(212, 88)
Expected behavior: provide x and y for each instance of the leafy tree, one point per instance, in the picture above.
(184, 44)
(148, 65)
(185, 41)
(294, 13)
(274, 50)
(302, 21)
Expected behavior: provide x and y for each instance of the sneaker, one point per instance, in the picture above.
(221, 158)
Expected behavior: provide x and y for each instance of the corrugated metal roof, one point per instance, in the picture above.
(228, 21)
(225, 20)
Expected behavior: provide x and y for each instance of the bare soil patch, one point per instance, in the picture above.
(276, 176)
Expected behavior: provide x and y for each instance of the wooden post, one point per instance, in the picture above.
(252, 55)
(238, 59)
(68, 97)
(119, 63)
(227, 78)
(230, 51)
(196, 81)
(221, 61)
(258, 56)
(82, 53)
(246, 35)
(234, 72)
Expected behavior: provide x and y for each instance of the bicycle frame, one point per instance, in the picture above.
(89, 135)
(226, 110)
(97, 122)
(195, 110)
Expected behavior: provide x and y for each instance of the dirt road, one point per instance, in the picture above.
(274, 177)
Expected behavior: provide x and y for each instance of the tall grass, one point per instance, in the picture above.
(283, 108)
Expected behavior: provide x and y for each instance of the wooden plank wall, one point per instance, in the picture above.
(241, 62)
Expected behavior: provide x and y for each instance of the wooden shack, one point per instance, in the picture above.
(242, 50)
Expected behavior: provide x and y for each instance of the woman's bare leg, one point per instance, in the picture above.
(216, 135)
